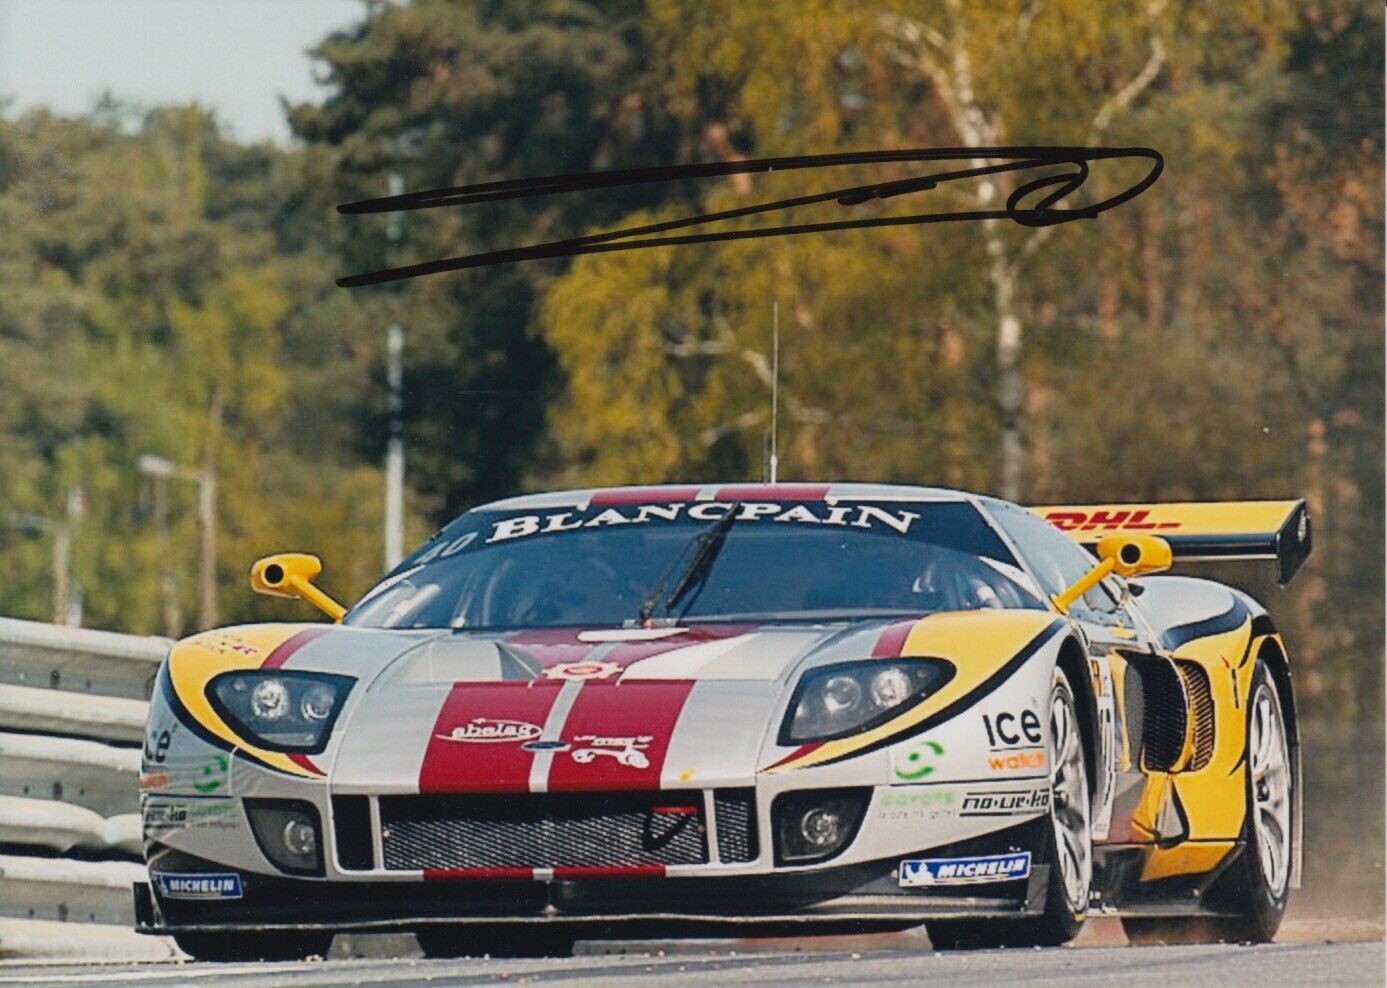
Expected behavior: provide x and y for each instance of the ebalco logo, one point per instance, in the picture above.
(484, 730)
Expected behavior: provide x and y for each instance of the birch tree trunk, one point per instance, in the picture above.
(942, 56)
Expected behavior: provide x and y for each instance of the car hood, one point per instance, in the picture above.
(581, 708)
(569, 708)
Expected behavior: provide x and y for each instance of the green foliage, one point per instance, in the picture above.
(151, 308)
(447, 94)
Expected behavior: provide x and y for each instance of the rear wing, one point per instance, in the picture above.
(1198, 530)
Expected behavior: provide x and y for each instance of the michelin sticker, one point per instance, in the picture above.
(210, 886)
(931, 872)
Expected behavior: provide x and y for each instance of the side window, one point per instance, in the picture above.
(1055, 558)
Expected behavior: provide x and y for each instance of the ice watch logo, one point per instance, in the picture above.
(916, 761)
(213, 775)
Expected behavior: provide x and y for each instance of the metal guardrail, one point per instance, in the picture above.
(72, 711)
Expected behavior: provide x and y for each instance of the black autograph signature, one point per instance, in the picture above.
(1044, 211)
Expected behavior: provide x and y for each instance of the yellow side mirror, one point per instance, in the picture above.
(291, 574)
(1125, 555)
(1135, 555)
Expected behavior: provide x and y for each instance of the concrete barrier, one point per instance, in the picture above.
(98, 776)
(78, 660)
(73, 704)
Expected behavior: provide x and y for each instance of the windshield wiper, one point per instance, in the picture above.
(706, 547)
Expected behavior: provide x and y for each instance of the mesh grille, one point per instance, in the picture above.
(736, 815)
(542, 830)
(1165, 715)
(1202, 708)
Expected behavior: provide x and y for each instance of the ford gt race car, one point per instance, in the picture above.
(740, 709)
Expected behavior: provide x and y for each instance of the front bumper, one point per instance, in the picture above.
(863, 895)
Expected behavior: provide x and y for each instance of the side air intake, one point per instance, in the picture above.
(1196, 681)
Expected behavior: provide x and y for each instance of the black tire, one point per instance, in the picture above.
(480, 940)
(1252, 901)
(261, 945)
(1064, 914)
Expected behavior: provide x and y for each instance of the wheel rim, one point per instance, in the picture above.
(1069, 797)
(1271, 787)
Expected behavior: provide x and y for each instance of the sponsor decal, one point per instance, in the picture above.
(1007, 730)
(487, 730)
(1018, 760)
(856, 516)
(154, 780)
(917, 805)
(1087, 521)
(216, 815)
(582, 670)
(927, 872)
(915, 761)
(226, 885)
(628, 751)
(213, 775)
(162, 816)
(1019, 803)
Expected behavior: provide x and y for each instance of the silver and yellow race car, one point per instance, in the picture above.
(739, 709)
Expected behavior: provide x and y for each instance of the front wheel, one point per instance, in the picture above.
(260, 945)
(1251, 895)
(1068, 846)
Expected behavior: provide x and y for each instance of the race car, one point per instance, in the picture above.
(740, 709)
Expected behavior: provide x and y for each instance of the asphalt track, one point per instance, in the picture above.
(721, 964)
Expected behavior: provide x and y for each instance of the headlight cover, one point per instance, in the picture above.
(844, 699)
(279, 710)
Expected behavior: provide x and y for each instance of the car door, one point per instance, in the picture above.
(1112, 633)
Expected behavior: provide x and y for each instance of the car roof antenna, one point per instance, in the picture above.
(774, 466)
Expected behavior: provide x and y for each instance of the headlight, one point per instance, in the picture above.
(280, 711)
(839, 700)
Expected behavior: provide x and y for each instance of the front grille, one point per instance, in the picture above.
(543, 830)
(351, 824)
(1202, 708)
(735, 810)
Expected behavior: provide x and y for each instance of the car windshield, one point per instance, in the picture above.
(778, 561)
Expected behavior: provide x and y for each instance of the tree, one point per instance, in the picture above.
(447, 94)
(153, 308)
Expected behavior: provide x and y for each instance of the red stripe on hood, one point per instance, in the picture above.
(290, 645)
(561, 646)
(551, 646)
(892, 639)
(618, 735)
(304, 762)
(452, 766)
(628, 652)
(803, 749)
